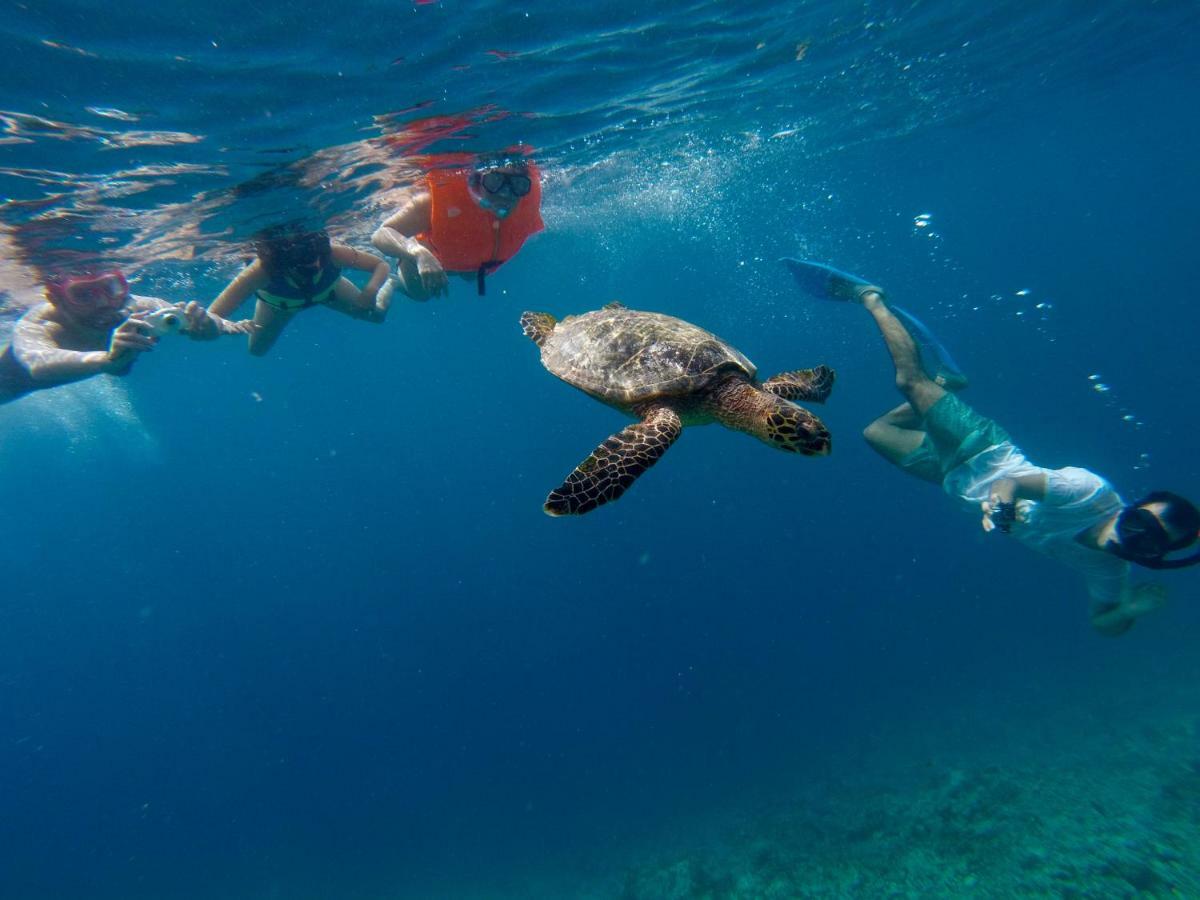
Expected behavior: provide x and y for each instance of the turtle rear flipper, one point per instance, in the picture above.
(616, 464)
(537, 326)
(810, 385)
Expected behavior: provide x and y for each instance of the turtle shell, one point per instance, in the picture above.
(625, 356)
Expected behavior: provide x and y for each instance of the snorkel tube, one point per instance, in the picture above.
(486, 180)
(1142, 536)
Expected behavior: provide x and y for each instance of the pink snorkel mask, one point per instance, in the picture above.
(88, 292)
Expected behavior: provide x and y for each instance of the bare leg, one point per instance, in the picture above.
(911, 380)
(1111, 620)
(896, 434)
(270, 322)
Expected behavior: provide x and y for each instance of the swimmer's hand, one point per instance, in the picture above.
(201, 325)
(433, 276)
(128, 339)
(1000, 514)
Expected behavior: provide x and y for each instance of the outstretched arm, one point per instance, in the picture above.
(249, 280)
(35, 348)
(198, 323)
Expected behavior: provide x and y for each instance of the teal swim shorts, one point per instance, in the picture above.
(953, 434)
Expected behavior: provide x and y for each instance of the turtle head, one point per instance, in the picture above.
(537, 326)
(794, 429)
(738, 404)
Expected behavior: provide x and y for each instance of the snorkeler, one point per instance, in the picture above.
(467, 221)
(296, 269)
(91, 324)
(1072, 515)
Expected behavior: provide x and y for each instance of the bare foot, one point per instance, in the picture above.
(1144, 598)
(1115, 619)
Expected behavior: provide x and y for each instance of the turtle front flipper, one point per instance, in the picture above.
(810, 385)
(537, 326)
(615, 464)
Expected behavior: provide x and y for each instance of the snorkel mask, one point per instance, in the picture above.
(292, 251)
(308, 253)
(1142, 540)
(494, 181)
(96, 299)
(90, 292)
(490, 180)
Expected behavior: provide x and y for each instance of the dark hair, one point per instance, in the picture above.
(282, 247)
(1179, 515)
(489, 161)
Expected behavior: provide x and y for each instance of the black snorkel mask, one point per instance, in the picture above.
(306, 257)
(1142, 540)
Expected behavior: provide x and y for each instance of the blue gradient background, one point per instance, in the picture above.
(327, 644)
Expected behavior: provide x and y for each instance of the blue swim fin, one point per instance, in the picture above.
(824, 282)
(827, 283)
(936, 360)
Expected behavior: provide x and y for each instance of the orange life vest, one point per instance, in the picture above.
(464, 236)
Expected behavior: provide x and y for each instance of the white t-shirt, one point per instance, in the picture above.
(1075, 501)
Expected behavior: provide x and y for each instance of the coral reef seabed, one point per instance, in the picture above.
(1113, 815)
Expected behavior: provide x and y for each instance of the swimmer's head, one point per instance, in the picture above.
(293, 249)
(499, 182)
(96, 299)
(1159, 524)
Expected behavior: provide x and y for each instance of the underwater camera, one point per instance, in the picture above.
(1004, 516)
(163, 321)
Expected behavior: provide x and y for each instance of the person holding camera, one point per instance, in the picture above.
(1070, 514)
(91, 324)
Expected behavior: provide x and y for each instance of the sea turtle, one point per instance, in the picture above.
(667, 373)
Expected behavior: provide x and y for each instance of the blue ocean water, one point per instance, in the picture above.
(298, 627)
